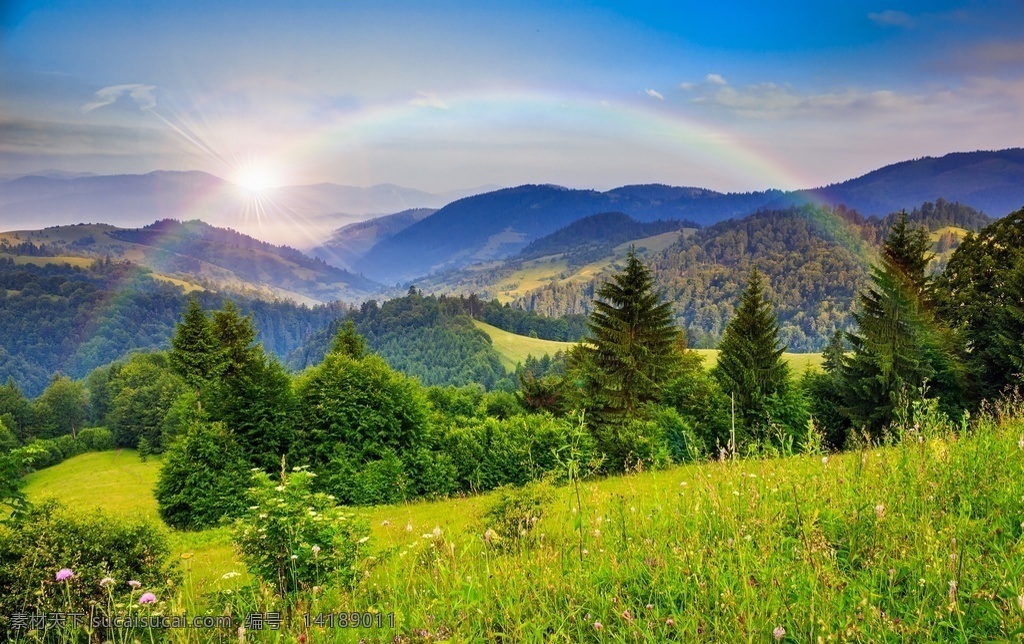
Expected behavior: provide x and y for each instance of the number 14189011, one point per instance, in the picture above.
(350, 620)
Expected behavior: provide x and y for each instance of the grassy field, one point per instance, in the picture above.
(919, 541)
(515, 348)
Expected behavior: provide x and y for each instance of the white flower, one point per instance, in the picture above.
(316, 550)
(824, 460)
(364, 539)
(880, 510)
(230, 575)
(294, 557)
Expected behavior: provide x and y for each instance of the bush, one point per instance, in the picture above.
(50, 537)
(500, 405)
(361, 404)
(633, 444)
(515, 511)
(203, 478)
(294, 538)
(96, 439)
(381, 481)
(683, 444)
(698, 398)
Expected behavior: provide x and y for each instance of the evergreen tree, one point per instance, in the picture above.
(634, 346)
(195, 355)
(899, 344)
(750, 365)
(347, 341)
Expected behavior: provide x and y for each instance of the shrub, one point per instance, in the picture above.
(500, 405)
(8, 440)
(515, 511)
(49, 538)
(698, 398)
(294, 538)
(203, 478)
(683, 444)
(381, 481)
(433, 474)
(96, 439)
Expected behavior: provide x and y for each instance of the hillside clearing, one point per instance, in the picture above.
(514, 349)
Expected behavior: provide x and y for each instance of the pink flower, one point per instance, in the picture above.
(598, 626)
(64, 574)
(147, 598)
(670, 622)
(134, 584)
(106, 581)
(779, 633)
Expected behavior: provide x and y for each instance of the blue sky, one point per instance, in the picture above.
(443, 95)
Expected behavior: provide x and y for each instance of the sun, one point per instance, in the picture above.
(256, 179)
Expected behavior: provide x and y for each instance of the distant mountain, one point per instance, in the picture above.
(499, 224)
(198, 256)
(301, 216)
(349, 243)
(992, 182)
(598, 235)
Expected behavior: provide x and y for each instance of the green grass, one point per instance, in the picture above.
(119, 483)
(918, 541)
(515, 348)
(798, 362)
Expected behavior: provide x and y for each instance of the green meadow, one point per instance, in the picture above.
(916, 540)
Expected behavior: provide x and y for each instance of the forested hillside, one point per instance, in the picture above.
(814, 260)
(434, 338)
(60, 318)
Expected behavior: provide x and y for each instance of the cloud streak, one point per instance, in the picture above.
(654, 94)
(142, 95)
(892, 18)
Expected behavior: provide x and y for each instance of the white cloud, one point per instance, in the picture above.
(687, 86)
(892, 18)
(428, 99)
(715, 79)
(141, 94)
(654, 94)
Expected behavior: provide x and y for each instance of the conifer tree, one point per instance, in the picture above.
(634, 346)
(194, 355)
(750, 365)
(899, 344)
(347, 341)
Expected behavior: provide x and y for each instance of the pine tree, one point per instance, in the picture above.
(899, 344)
(347, 341)
(634, 346)
(750, 365)
(194, 355)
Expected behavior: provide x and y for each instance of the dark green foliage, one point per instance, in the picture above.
(699, 400)
(50, 537)
(17, 408)
(682, 442)
(142, 391)
(452, 403)
(58, 318)
(60, 409)
(379, 481)
(500, 405)
(204, 478)
(361, 407)
(8, 440)
(900, 345)
(96, 439)
(195, 354)
(824, 393)
(348, 342)
(750, 367)
(979, 294)
(634, 345)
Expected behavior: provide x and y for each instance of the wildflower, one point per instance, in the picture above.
(586, 552)
(683, 483)
(1020, 602)
(598, 626)
(147, 598)
(650, 606)
(230, 575)
(106, 581)
(490, 536)
(952, 590)
(134, 584)
(64, 573)
(626, 615)
(302, 638)
(670, 622)
(779, 633)
(408, 527)
(437, 531)
(385, 523)
(880, 510)
(597, 533)
(316, 550)
(824, 460)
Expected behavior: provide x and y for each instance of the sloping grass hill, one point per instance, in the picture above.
(918, 541)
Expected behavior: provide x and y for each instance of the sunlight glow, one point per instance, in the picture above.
(256, 178)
